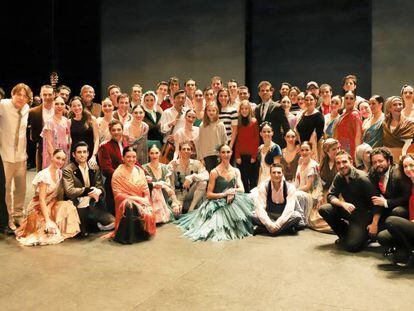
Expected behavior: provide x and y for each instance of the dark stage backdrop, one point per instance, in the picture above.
(39, 37)
(148, 41)
(392, 46)
(299, 41)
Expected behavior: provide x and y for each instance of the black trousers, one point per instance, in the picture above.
(399, 233)
(291, 222)
(4, 215)
(248, 173)
(384, 237)
(351, 228)
(109, 198)
(90, 216)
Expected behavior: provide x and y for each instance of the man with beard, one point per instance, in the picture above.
(394, 190)
(355, 218)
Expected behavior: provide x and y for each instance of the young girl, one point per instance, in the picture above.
(246, 145)
(227, 115)
(136, 133)
(212, 133)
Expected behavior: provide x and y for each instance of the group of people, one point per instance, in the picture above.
(218, 165)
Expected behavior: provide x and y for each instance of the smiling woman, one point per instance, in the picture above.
(226, 215)
(49, 221)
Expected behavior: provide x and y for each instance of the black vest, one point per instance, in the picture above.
(272, 208)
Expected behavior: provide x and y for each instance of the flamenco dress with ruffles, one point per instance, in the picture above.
(218, 220)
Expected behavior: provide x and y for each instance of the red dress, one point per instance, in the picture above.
(347, 128)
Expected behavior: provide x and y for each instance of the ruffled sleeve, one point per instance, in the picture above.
(42, 177)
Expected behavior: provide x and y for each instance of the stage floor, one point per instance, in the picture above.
(302, 272)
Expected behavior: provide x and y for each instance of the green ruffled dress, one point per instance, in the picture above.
(216, 220)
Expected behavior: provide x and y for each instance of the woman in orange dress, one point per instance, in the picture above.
(135, 220)
(49, 221)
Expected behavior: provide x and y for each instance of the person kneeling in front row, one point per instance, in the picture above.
(355, 219)
(83, 185)
(275, 201)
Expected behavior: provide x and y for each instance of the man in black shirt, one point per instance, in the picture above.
(355, 218)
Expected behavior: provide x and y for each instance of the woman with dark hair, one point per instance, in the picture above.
(226, 214)
(294, 101)
(136, 133)
(290, 156)
(227, 115)
(164, 201)
(56, 133)
(349, 126)
(286, 105)
(49, 220)
(333, 116)
(327, 174)
(397, 130)
(407, 95)
(246, 145)
(187, 133)
(268, 152)
(83, 127)
(310, 123)
(199, 107)
(399, 236)
(152, 118)
(134, 215)
(208, 95)
(103, 122)
(372, 127)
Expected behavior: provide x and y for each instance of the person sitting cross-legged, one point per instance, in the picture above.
(83, 185)
(275, 201)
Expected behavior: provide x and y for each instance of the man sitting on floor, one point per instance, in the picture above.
(190, 178)
(275, 203)
(83, 185)
(355, 218)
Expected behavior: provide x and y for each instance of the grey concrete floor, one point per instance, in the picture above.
(169, 272)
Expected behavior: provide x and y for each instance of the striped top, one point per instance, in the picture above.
(228, 116)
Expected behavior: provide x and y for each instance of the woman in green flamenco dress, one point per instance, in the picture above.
(226, 214)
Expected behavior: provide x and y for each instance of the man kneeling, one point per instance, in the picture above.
(275, 203)
(83, 185)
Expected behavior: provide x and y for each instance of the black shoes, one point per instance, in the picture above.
(399, 257)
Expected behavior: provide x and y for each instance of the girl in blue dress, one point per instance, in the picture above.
(226, 214)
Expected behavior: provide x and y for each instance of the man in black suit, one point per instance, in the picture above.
(268, 110)
(83, 185)
(394, 189)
